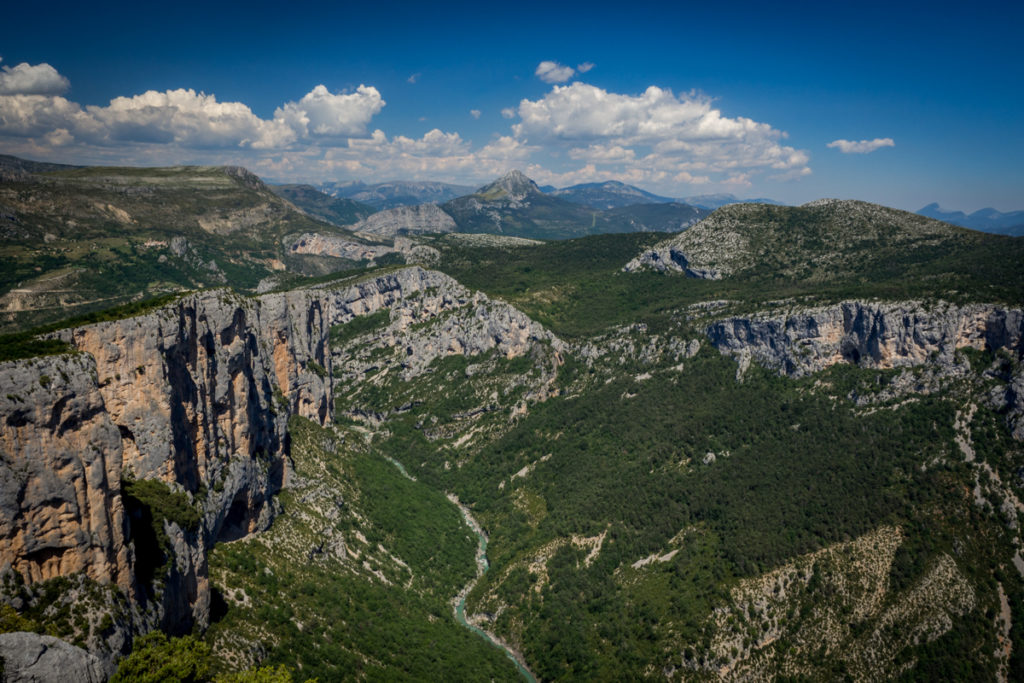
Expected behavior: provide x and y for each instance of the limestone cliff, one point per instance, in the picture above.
(881, 336)
(60, 487)
(874, 335)
(401, 220)
(196, 394)
(335, 245)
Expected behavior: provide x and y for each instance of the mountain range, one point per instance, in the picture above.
(396, 192)
(783, 443)
(608, 195)
(986, 220)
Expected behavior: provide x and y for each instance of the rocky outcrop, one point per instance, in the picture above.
(406, 220)
(881, 336)
(873, 335)
(667, 257)
(32, 658)
(334, 245)
(449, 319)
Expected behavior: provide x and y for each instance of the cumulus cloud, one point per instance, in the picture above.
(603, 154)
(179, 117)
(575, 133)
(678, 136)
(584, 67)
(553, 72)
(861, 146)
(322, 113)
(413, 78)
(32, 79)
(183, 117)
(436, 156)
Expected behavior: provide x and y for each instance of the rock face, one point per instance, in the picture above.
(333, 245)
(60, 487)
(449, 319)
(881, 335)
(868, 334)
(402, 220)
(667, 257)
(32, 658)
(196, 394)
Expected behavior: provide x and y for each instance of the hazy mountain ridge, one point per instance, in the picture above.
(717, 201)
(515, 205)
(986, 220)
(608, 195)
(396, 193)
(333, 210)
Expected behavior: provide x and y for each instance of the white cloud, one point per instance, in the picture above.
(181, 117)
(584, 67)
(678, 136)
(603, 154)
(862, 146)
(37, 115)
(475, 113)
(553, 72)
(321, 113)
(413, 78)
(436, 156)
(59, 138)
(574, 133)
(29, 79)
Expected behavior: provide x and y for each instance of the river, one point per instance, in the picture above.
(459, 602)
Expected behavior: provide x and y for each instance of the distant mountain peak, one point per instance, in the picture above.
(514, 185)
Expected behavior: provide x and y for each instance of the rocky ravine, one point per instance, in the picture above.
(196, 394)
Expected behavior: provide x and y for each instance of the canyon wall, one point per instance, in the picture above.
(883, 336)
(196, 394)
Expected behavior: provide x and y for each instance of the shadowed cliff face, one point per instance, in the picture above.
(197, 395)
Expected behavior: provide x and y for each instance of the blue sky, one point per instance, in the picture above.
(919, 102)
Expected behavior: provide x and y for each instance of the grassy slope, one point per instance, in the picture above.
(334, 210)
(576, 287)
(85, 239)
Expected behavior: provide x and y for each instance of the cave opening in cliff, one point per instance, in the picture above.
(149, 551)
(236, 522)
